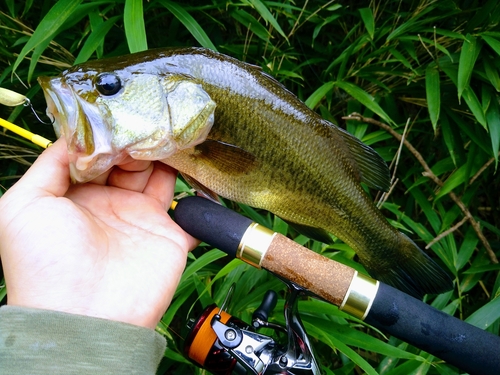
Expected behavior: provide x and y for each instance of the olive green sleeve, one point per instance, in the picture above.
(47, 342)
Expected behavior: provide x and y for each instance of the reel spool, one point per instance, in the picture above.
(203, 347)
(225, 345)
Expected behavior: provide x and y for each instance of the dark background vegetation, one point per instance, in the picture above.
(426, 69)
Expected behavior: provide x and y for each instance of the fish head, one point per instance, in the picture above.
(107, 115)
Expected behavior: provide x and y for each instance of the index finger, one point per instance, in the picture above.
(50, 171)
(128, 165)
(161, 184)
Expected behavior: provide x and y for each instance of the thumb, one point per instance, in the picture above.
(50, 172)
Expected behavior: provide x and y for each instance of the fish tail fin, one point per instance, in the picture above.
(415, 273)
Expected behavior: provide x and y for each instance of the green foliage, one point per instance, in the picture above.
(433, 65)
(133, 23)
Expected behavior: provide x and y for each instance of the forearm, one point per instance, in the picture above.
(46, 342)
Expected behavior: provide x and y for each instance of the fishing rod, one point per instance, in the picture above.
(381, 306)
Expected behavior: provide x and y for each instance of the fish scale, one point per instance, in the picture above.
(268, 150)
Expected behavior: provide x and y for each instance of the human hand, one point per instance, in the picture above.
(105, 249)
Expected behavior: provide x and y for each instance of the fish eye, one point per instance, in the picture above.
(108, 84)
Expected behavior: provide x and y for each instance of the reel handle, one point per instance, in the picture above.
(266, 307)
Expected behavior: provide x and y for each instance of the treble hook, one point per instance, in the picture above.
(27, 103)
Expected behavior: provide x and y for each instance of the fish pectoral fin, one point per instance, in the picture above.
(373, 169)
(226, 157)
(314, 233)
(201, 189)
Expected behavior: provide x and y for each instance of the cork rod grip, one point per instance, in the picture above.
(326, 278)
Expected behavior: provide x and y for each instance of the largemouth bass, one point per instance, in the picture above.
(236, 132)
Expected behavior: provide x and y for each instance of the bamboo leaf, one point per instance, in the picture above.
(176, 304)
(408, 367)
(457, 178)
(201, 262)
(319, 94)
(486, 315)
(432, 88)
(353, 337)
(170, 354)
(262, 9)
(403, 60)
(453, 140)
(461, 176)
(468, 56)
(190, 23)
(203, 291)
(493, 118)
(492, 42)
(482, 269)
(247, 20)
(486, 97)
(474, 105)
(448, 33)
(467, 248)
(96, 20)
(11, 6)
(318, 28)
(280, 226)
(430, 42)
(480, 138)
(345, 59)
(95, 39)
(364, 98)
(409, 46)
(485, 16)
(491, 72)
(3, 290)
(54, 19)
(253, 214)
(135, 30)
(367, 17)
(336, 343)
(413, 23)
(346, 53)
(27, 6)
(250, 288)
(37, 52)
(431, 215)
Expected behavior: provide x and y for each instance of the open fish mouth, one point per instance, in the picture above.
(58, 107)
(147, 118)
(82, 127)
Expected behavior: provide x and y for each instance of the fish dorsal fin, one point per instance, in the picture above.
(201, 189)
(372, 168)
(317, 234)
(226, 157)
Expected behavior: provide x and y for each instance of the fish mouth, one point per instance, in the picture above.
(59, 107)
(84, 130)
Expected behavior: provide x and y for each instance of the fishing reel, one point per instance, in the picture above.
(225, 345)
